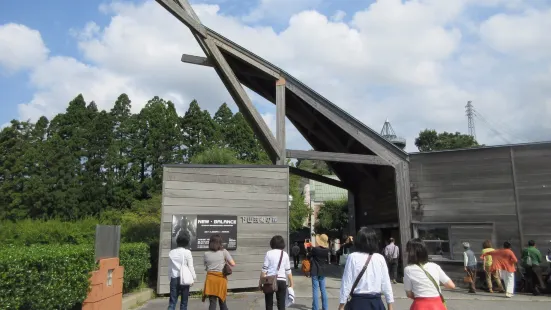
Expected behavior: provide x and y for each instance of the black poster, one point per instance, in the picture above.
(201, 227)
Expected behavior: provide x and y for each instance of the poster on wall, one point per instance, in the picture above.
(201, 227)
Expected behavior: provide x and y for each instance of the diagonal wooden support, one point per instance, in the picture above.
(184, 12)
(183, 16)
(196, 60)
(243, 101)
(338, 157)
(316, 177)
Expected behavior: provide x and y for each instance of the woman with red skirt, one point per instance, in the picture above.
(422, 279)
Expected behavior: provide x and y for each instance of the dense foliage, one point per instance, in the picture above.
(430, 140)
(333, 217)
(85, 162)
(57, 277)
(299, 210)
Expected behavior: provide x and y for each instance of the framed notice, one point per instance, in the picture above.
(201, 227)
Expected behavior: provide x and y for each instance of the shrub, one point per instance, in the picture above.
(57, 276)
(29, 232)
(135, 258)
(45, 277)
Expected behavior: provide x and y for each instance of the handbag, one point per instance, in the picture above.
(344, 256)
(360, 275)
(435, 285)
(226, 270)
(186, 278)
(269, 283)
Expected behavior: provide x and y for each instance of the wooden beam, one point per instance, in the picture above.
(515, 191)
(316, 177)
(351, 214)
(243, 101)
(187, 7)
(196, 60)
(403, 199)
(280, 120)
(337, 157)
(246, 58)
(348, 127)
(183, 16)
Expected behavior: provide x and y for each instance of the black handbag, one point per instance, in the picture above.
(269, 283)
(226, 271)
(347, 305)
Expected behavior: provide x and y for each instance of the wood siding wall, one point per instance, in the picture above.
(508, 186)
(226, 190)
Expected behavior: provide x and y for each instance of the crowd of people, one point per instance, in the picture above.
(367, 277)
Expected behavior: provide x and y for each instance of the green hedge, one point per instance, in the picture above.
(57, 276)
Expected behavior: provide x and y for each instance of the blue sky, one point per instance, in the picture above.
(416, 62)
(55, 18)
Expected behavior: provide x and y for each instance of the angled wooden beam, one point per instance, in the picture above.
(187, 7)
(338, 157)
(243, 101)
(196, 60)
(348, 127)
(280, 120)
(177, 11)
(246, 58)
(316, 177)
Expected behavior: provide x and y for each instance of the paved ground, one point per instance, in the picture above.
(458, 299)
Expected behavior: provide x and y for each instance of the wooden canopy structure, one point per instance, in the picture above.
(375, 171)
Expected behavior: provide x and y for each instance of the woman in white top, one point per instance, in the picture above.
(422, 279)
(177, 257)
(271, 260)
(375, 280)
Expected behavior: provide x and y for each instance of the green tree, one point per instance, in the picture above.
(333, 217)
(299, 210)
(216, 156)
(199, 130)
(314, 166)
(241, 138)
(429, 140)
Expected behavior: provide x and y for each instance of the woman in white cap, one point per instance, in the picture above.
(318, 265)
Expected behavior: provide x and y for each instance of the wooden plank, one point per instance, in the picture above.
(338, 157)
(222, 179)
(172, 204)
(177, 193)
(517, 203)
(196, 60)
(183, 17)
(403, 201)
(242, 100)
(238, 188)
(316, 177)
(245, 172)
(280, 120)
(351, 214)
(280, 213)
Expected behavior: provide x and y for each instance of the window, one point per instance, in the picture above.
(436, 238)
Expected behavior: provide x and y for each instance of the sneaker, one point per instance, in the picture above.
(509, 295)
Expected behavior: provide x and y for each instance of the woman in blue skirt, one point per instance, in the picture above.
(365, 276)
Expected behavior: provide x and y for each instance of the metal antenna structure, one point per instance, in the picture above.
(469, 111)
(388, 133)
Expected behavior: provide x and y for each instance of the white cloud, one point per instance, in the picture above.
(408, 61)
(338, 16)
(20, 47)
(278, 10)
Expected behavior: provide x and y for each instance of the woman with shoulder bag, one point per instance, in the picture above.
(179, 259)
(275, 271)
(422, 279)
(365, 276)
(216, 283)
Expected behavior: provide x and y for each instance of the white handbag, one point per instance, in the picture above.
(186, 278)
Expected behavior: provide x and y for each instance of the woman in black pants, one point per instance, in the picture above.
(274, 258)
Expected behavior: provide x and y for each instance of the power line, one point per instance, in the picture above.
(500, 127)
(470, 117)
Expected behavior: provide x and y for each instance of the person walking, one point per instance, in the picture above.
(365, 276)
(469, 263)
(422, 279)
(216, 283)
(180, 257)
(504, 261)
(487, 247)
(531, 259)
(276, 263)
(318, 266)
(391, 253)
(295, 252)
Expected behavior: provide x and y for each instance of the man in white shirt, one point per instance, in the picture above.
(391, 253)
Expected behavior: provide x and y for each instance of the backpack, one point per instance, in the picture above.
(306, 266)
